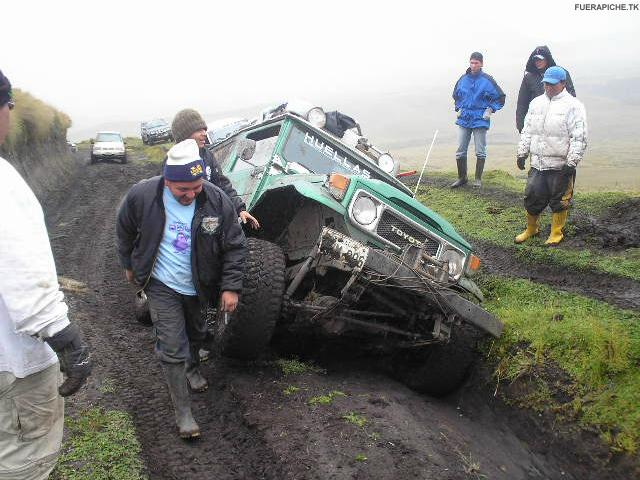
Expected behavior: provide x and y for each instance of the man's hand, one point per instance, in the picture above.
(487, 113)
(129, 276)
(247, 217)
(568, 170)
(228, 301)
(75, 360)
(521, 161)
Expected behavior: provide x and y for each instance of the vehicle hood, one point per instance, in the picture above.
(108, 145)
(409, 206)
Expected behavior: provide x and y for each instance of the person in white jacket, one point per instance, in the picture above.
(555, 136)
(36, 338)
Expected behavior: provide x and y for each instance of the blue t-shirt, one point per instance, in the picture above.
(173, 264)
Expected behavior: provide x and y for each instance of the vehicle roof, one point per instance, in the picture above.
(397, 183)
(108, 131)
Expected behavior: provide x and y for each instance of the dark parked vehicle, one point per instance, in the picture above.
(155, 131)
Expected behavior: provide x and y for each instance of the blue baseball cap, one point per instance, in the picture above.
(553, 75)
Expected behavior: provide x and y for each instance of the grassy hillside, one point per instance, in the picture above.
(34, 121)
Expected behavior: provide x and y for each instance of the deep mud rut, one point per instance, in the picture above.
(250, 428)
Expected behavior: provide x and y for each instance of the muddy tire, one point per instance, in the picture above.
(440, 369)
(251, 326)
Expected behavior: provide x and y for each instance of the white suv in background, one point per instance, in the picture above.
(108, 145)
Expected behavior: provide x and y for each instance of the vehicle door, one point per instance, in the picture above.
(247, 175)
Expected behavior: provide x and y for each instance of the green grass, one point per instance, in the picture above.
(482, 219)
(153, 153)
(356, 419)
(290, 390)
(325, 399)
(101, 445)
(296, 367)
(597, 345)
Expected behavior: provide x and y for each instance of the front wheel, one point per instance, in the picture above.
(440, 369)
(250, 327)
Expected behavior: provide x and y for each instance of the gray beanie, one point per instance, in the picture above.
(185, 123)
(476, 56)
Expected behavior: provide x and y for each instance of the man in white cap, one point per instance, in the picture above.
(179, 239)
(555, 135)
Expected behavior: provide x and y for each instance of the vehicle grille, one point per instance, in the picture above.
(390, 227)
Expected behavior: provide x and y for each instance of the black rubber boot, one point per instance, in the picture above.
(479, 169)
(462, 173)
(197, 383)
(176, 378)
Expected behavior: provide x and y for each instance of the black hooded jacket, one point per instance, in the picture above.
(532, 87)
(218, 244)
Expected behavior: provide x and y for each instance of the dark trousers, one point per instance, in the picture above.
(178, 324)
(548, 187)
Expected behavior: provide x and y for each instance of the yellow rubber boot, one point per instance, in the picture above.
(533, 228)
(558, 221)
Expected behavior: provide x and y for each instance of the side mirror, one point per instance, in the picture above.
(247, 149)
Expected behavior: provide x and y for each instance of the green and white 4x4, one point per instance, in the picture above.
(345, 250)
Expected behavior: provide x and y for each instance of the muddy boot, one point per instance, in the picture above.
(533, 228)
(558, 221)
(479, 169)
(176, 378)
(197, 383)
(462, 173)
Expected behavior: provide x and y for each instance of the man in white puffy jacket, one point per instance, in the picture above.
(35, 332)
(555, 136)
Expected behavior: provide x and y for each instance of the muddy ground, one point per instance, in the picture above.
(250, 428)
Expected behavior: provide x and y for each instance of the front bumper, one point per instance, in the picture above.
(340, 251)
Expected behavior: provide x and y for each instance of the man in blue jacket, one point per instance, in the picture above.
(476, 96)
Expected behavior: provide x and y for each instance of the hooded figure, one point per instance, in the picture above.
(531, 86)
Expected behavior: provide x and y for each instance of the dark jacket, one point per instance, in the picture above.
(218, 244)
(531, 86)
(213, 173)
(472, 95)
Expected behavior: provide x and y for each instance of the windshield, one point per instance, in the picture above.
(155, 123)
(313, 152)
(108, 137)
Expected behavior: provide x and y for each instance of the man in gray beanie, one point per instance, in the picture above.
(189, 124)
(179, 240)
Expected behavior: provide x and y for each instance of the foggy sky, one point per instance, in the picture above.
(116, 60)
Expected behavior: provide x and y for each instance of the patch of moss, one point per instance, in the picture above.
(101, 445)
(325, 399)
(294, 366)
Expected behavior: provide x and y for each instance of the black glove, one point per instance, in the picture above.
(74, 357)
(521, 162)
(568, 170)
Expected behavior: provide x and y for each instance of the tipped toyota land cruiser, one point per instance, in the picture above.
(346, 250)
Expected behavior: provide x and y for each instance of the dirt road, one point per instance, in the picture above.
(250, 428)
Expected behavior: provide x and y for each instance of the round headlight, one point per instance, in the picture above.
(364, 210)
(456, 261)
(317, 117)
(385, 162)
